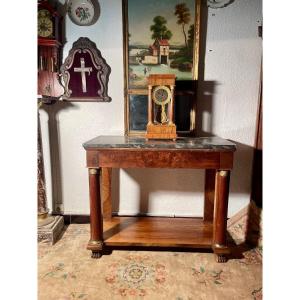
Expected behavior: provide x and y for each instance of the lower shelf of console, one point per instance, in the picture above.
(158, 232)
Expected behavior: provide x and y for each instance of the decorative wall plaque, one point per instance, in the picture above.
(85, 73)
(83, 12)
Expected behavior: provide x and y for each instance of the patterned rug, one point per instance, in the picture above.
(66, 271)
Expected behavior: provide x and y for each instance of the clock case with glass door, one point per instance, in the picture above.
(49, 30)
(161, 107)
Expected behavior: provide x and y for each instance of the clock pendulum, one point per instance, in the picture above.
(162, 96)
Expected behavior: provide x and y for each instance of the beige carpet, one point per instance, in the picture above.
(66, 271)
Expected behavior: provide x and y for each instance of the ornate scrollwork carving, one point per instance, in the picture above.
(218, 3)
(86, 46)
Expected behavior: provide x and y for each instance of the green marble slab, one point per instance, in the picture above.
(199, 143)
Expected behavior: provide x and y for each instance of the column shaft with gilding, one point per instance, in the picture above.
(220, 212)
(96, 241)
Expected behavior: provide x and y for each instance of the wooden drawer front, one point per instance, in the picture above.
(157, 159)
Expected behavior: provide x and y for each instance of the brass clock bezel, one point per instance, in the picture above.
(45, 16)
(161, 87)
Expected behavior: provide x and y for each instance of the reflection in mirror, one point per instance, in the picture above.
(138, 111)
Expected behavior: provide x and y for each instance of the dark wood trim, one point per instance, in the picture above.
(209, 194)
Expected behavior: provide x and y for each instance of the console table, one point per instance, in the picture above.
(213, 154)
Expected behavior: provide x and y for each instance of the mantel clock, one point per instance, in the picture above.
(161, 107)
(49, 47)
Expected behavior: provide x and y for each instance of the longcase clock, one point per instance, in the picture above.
(49, 29)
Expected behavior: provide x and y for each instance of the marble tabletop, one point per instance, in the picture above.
(184, 143)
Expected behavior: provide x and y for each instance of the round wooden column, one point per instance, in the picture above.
(96, 240)
(220, 214)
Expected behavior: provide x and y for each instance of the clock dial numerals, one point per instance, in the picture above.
(45, 24)
(161, 95)
(45, 27)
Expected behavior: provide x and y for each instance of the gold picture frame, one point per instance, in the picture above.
(179, 54)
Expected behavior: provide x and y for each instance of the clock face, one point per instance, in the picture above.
(161, 95)
(45, 24)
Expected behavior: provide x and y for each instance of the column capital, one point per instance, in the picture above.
(93, 171)
(223, 173)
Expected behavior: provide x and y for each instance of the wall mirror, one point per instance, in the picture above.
(160, 37)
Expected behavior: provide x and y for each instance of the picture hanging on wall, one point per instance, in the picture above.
(85, 73)
(160, 37)
(83, 12)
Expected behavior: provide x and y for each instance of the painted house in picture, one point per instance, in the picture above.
(158, 53)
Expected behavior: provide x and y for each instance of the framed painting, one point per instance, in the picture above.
(161, 37)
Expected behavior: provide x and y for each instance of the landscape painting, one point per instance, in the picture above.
(161, 39)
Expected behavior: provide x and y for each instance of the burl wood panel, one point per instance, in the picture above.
(161, 131)
(161, 79)
(128, 158)
(139, 158)
(158, 232)
(106, 192)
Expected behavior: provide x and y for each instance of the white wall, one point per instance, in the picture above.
(232, 64)
(233, 57)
